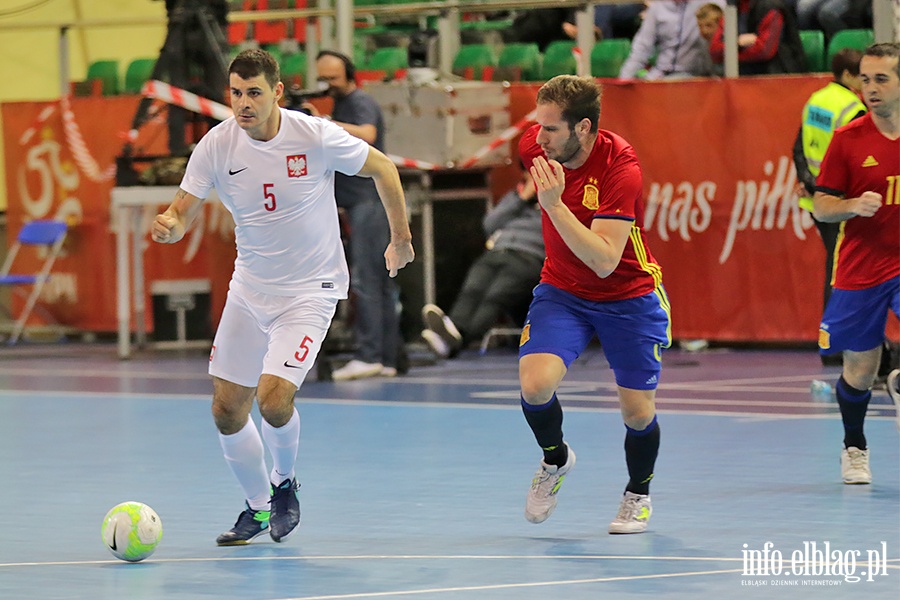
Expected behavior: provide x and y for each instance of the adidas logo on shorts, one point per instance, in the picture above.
(652, 380)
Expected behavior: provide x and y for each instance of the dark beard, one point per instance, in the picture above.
(572, 147)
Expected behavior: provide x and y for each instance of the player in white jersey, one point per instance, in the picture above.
(274, 171)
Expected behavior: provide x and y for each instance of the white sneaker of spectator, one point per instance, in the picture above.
(357, 369)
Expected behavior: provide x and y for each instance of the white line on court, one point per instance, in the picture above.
(401, 557)
(113, 373)
(668, 400)
(747, 384)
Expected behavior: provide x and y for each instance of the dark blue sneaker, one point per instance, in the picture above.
(285, 505)
(250, 525)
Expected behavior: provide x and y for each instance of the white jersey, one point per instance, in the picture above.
(281, 196)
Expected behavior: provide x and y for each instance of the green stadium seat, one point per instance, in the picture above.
(275, 50)
(558, 59)
(107, 71)
(519, 62)
(138, 72)
(813, 41)
(608, 56)
(471, 60)
(849, 38)
(390, 60)
(293, 69)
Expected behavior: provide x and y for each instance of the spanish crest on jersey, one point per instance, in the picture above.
(591, 198)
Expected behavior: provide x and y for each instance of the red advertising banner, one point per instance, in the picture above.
(60, 164)
(741, 261)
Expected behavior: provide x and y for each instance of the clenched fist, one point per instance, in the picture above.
(867, 204)
(166, 229)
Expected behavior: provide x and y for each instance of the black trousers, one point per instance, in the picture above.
(498, 283)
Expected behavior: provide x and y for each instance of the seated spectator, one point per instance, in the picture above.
(828, 15)
(709, 17)
(619, 20)
(500, 281)
(539, 26)
(768, 39)
(611, 20)
(670, 33)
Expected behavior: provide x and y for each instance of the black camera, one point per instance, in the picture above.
(295, 97)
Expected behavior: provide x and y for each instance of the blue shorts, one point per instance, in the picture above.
(855, 319)
(632, 332)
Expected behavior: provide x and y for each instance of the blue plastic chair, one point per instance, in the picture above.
(48, 234)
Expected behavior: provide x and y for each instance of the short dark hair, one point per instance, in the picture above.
(253, 62)
(885, 49)
(845, 59)
(578, 97)
(349, 67)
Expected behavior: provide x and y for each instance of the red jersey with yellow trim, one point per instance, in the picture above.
(608, 185)
(860, 159)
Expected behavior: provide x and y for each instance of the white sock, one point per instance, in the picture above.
(282, 443)
(244, 453)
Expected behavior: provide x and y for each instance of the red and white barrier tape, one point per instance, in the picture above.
(412, 163)
(79, 148)
(185, 99)
(170, 94)
(43, 116)
(507, 135)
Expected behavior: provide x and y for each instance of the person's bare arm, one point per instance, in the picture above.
(169, 227)
(384, 172)
(833, 209)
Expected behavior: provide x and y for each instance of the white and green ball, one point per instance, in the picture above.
(131, 531)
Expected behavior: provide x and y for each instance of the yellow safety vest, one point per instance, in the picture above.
(827, 109)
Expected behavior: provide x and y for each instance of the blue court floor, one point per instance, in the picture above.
(414, 487)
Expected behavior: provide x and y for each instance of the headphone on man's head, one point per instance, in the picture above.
(349, 67)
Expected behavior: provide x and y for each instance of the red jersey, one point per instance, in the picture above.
(607, 186)
(860, 159)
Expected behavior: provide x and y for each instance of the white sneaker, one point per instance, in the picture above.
(541, 498)
(634, 512)
(893, 389)
(855, 466)
(437, 322)
(357, 369)
(388, 372)
(436, 343)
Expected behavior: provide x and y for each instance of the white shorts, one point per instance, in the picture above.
(261, 333)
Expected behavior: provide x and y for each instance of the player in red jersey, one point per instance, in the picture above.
(859, 186)
(599, 278)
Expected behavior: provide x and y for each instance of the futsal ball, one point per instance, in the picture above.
(131, 531)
